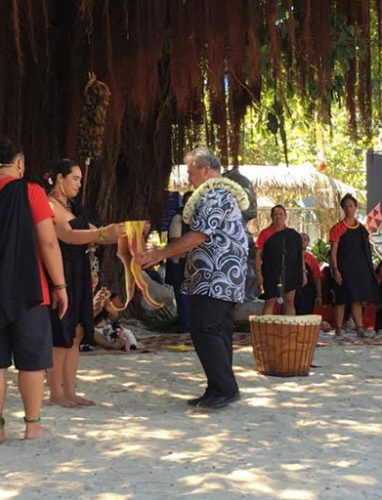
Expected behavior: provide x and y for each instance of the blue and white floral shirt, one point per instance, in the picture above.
(217, 267)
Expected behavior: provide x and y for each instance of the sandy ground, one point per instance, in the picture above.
(316, 437)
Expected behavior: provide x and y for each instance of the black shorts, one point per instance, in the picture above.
(28, 340)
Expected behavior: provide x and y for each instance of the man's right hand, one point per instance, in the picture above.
(60, 302)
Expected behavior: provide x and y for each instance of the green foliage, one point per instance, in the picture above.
(308, 141)
(160, 320)
(320, 250)
(290, 121)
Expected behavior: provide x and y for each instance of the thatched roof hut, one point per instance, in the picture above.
(312, 198)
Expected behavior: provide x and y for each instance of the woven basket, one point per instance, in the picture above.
(283, 346)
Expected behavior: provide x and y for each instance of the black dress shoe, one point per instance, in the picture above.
(216, 402)
(196, 401)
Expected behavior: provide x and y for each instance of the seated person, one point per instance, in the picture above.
(110, 333)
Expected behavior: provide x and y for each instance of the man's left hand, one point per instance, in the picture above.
(149, 258)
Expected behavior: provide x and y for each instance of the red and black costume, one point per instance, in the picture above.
(281, 260)
(354, 264)
(25, 330)
(23, 281)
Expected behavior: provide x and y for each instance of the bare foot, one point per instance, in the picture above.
(80, 401)
(35, 431)
(63, 401)
(339, 332)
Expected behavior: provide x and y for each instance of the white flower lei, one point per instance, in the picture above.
(215, 183)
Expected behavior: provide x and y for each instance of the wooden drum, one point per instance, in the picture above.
(283, 346)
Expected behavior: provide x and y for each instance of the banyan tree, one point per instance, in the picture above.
(127, 86)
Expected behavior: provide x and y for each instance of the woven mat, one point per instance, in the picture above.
(350, 337)
(183, 342)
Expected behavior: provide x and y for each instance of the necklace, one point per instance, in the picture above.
(63, 202)
(216, 183)
(351, 226)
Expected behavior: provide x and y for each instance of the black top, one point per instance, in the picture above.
(356, 268)
(78, 279)
(305, 298)
(20, 286)
(282, 263)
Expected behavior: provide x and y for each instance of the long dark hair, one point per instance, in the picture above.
(63, 167)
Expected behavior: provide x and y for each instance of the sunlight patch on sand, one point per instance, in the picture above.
(344, 464)
(296, 467)
(6, 494)
(364, 480)
(198, 415)
(290, 387)
(99, 377)
(343, 376)
(251, 482)
(261, 402)
(367, 428)
(163, 434)
(240, 480)
(316, 424)
(298, 403)
(247, 373)
(336, 438)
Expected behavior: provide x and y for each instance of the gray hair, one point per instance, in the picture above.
(203, 157)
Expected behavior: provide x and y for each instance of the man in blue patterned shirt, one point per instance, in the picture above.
(215, 271)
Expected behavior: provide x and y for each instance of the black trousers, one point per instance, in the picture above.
(211, 327)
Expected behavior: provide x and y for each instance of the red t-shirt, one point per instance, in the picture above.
(312, 262)
(337, 231)
(263, 236)
(41, 210)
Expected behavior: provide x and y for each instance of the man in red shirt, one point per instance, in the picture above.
(28, 247)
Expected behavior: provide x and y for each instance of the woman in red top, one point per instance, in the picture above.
(351, 266)
(279, 263)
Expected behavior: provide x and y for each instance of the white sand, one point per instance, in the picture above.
(316, 437)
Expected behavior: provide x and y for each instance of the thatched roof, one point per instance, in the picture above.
(283, 184)
(298, 180)
(289, 185)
